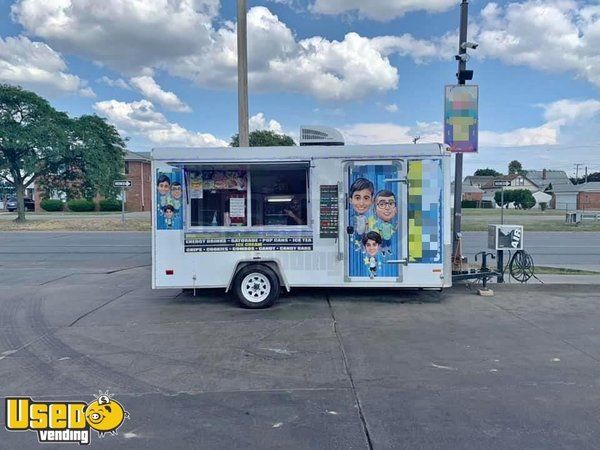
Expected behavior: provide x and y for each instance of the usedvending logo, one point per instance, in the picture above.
(65, 422)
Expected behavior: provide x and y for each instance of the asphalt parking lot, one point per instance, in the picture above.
(321, 369)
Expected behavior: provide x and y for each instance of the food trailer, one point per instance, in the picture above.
(257, 220)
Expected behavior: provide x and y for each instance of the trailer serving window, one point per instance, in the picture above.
(265, 195)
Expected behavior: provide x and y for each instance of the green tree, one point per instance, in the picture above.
(96, 160)
(508, 197)
(33, 140)
(487, 172)
(523, 198)
(101, 150)
(37, 143)
(264, 138)
(515, 167)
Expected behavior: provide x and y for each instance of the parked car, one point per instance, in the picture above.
(11, 204)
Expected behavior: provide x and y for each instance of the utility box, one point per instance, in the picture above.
(573, 217)
(505, 237)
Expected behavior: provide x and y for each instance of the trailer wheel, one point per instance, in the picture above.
(256, 287)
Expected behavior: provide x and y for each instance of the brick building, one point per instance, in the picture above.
(588, 197)
(583, 197)
(138, 170)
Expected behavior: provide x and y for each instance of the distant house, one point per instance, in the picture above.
(517, 181)
(588, 197)
(542, 197)
(584, 196)
(138, 170)
(565, 197)
(549, 179)
(137, 198)
(469, 193)
(477, 181)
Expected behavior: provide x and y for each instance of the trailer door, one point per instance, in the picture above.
(376, 227)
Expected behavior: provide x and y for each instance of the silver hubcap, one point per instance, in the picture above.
(256, 287)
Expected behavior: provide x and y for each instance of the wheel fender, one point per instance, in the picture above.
(272, 264)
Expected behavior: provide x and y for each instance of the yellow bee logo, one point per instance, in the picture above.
(105, 415)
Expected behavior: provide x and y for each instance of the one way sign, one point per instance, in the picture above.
(122, 183)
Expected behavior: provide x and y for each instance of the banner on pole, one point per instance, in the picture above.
(461, 118)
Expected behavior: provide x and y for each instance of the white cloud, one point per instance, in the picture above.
(259, 122)
(178, 36)
(551, 35)
(568, 111)
(119, 82)
(329, 70)
(392, 107)
(544, 135)
(125, 34)
(406, 45)
(150, 89)
(389, 133)
(140, 118)
(34, 65)
(381, 9)
(559, 117)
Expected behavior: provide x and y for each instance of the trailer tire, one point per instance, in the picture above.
(256, 286)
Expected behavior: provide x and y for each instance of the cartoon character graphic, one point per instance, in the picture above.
(163, 186)
(176, 194)
(361, 199)
(169, 213)
(386, 210)
(105, 415)
(371, 241)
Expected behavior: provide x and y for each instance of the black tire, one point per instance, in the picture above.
(256, 287)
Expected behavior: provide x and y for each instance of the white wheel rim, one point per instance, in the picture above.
(256, 287)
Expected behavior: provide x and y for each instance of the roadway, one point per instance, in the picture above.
(577, 250)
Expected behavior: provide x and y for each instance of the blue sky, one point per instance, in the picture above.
(163, 72)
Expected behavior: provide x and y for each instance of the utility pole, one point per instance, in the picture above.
(458, 169)
(577, 172)
(586, 174)
(242, 53)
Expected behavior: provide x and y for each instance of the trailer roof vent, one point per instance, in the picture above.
(319, 135)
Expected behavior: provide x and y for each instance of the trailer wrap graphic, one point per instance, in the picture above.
(373, 218)
(425, 191)
(169, 200)
(250, 241)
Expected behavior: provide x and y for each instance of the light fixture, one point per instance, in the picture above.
(279, 199)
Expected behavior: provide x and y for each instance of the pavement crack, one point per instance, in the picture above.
(57, 279)
(126, 268)
(361, 414)
(98, 307)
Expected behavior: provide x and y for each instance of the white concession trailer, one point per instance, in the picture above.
(257, 220)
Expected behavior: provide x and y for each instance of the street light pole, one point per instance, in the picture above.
(242, 53)
(458, 169)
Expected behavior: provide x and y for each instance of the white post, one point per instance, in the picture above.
(242, 53)
(123, 205)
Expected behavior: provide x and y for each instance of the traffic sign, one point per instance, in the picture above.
(122, 183)
(501, 183)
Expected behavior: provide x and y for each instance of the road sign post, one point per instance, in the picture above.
(502, 209)
(123, 184)
(501, 184)
(500, 253)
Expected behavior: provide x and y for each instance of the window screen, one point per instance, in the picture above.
(220, 197)
(279, 196)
